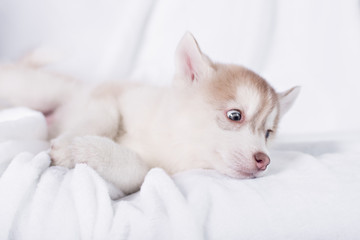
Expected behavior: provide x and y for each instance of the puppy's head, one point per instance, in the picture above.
(235, 111)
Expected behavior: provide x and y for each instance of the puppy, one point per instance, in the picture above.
(214, 116)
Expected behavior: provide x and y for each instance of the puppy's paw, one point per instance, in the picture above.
(60, 153)
(89, 150)
(67, 152)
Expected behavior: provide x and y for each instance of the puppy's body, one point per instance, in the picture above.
(123, 130)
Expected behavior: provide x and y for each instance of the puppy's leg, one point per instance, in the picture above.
(115, 163)
(35, 88)
(96, 116)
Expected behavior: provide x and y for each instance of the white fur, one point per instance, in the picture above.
(124, 130)
(287, 99)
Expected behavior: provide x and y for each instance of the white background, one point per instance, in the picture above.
(314, 44)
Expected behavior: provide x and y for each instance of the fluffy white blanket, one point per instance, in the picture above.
(302, 196)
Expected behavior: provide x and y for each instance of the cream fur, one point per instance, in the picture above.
(123, 130)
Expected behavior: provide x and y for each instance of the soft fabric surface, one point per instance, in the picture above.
(311, 190)
(302, 196)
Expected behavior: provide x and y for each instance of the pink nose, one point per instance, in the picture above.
(262, 160)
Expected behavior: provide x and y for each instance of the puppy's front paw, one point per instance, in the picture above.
(89, 150)
(94, 151)
(60, 153)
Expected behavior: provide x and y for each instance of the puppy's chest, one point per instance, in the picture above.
(139, 113)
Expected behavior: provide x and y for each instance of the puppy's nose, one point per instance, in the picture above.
(262, 160)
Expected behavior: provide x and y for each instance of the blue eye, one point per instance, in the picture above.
(234, 115)
(267, 134)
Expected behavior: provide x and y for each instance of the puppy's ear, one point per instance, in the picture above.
(191, 63)
(287, 99)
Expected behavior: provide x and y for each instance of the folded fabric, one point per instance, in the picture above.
(301, 196)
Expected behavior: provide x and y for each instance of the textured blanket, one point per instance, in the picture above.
(313, 195)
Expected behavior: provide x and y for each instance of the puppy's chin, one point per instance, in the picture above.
(243, 174)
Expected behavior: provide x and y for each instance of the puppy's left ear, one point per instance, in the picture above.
(191, 63)
(287, 99)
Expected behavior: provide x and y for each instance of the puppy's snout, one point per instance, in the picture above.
(262, 160)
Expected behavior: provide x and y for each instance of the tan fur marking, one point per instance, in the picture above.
(223, 85)
(269, 102)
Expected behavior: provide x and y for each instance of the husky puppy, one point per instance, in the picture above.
(214, 116)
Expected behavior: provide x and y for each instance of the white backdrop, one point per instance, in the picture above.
(315, 44)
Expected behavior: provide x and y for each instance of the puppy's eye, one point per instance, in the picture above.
(234, 115)
(267, 134)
